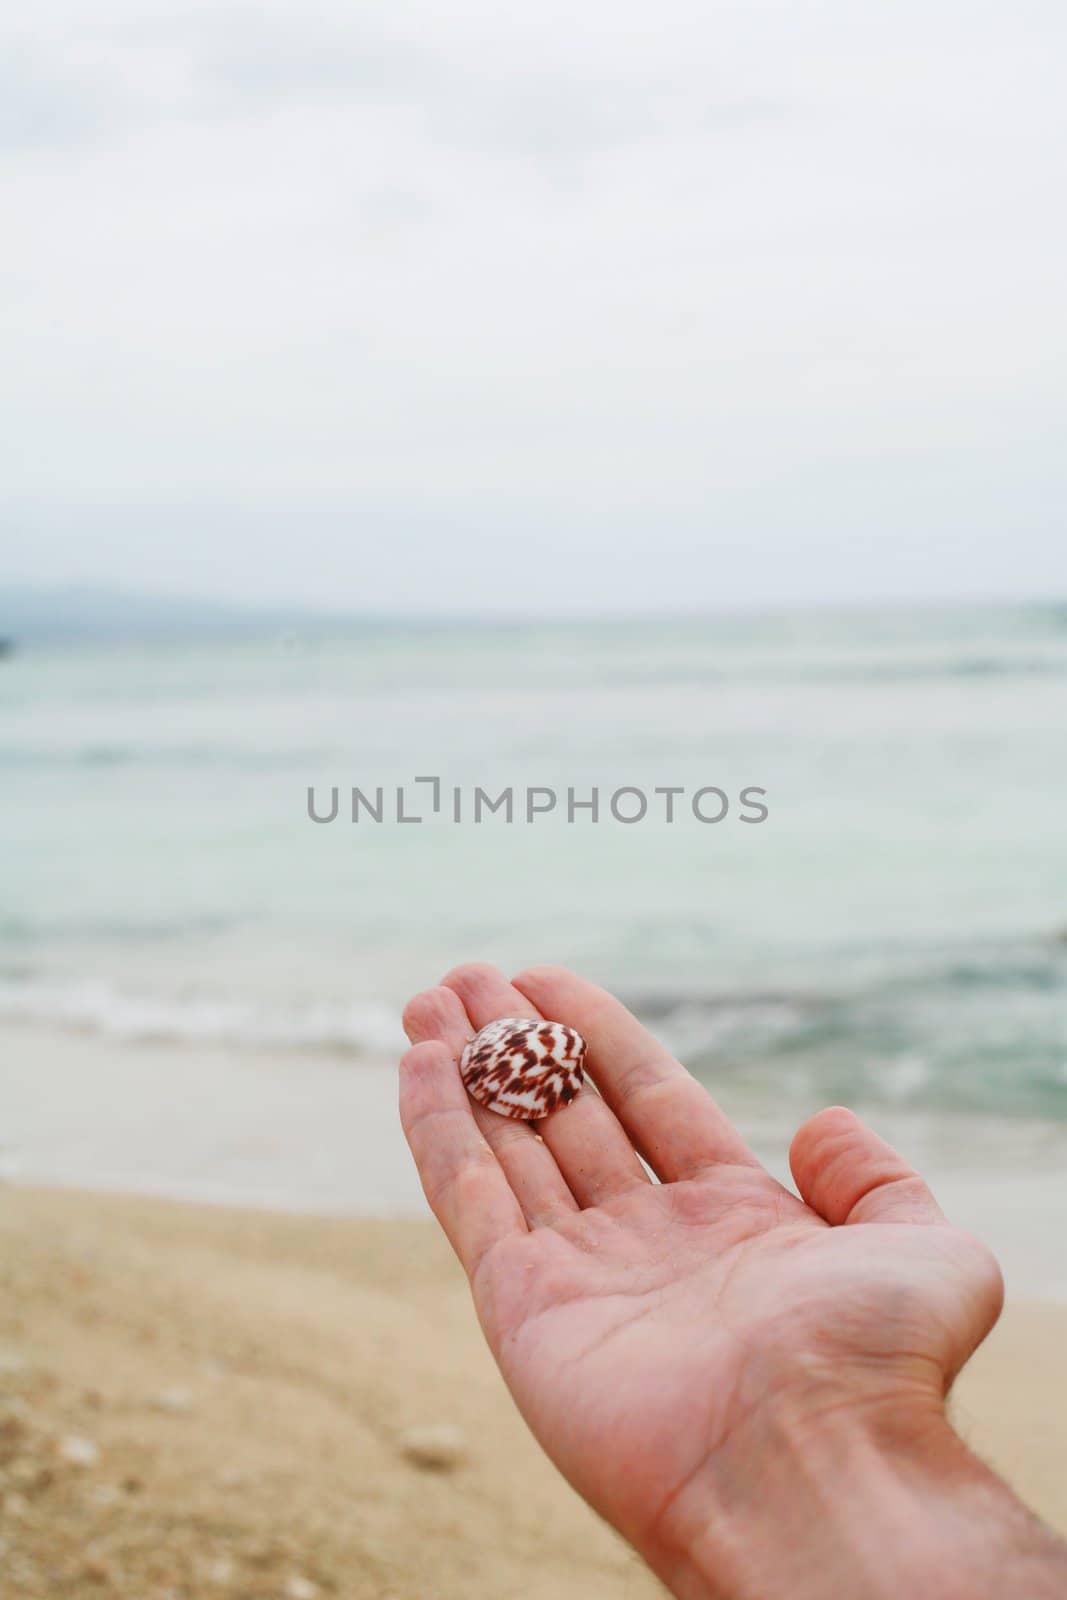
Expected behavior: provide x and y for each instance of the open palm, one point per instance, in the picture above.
(652, 1333)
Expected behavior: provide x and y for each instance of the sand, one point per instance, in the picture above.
(208, 1402)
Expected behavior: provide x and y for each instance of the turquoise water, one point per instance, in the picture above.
(895, 930)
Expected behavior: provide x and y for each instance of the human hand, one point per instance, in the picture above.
(708, 1357)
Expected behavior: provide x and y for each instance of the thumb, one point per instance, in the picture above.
(847, 1174)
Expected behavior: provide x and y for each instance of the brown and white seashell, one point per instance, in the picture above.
(522, 1068)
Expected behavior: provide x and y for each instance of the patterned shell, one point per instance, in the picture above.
(523, 1068)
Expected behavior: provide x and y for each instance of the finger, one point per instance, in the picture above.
(529, 1166)
(847, 1174)
(670, 1117)
(589, 1145)
(461, 1177)
(438, 1014)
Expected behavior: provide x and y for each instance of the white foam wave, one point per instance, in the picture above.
(97, 1006)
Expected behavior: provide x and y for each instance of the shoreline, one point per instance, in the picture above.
(319, 1135)
(197, 1400)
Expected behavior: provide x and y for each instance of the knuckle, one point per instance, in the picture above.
(462, 1186)
(989, 1279)
(421, 1058)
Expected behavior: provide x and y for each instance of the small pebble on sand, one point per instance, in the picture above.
(297, 1587)
(77, 1451)
(437, 1447)
(175, 1401)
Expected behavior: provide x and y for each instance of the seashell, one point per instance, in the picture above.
(523, 1068)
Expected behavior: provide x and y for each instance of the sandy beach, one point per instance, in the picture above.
(207, 1401)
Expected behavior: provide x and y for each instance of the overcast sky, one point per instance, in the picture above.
(457, 305)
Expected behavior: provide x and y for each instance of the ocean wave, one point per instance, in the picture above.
(696, 1026)
(96, 1006)
(983, 1033)
(936, 1038)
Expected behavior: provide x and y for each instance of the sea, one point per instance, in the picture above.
(883, 918)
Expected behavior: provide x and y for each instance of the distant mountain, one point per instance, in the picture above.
(81, 611)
